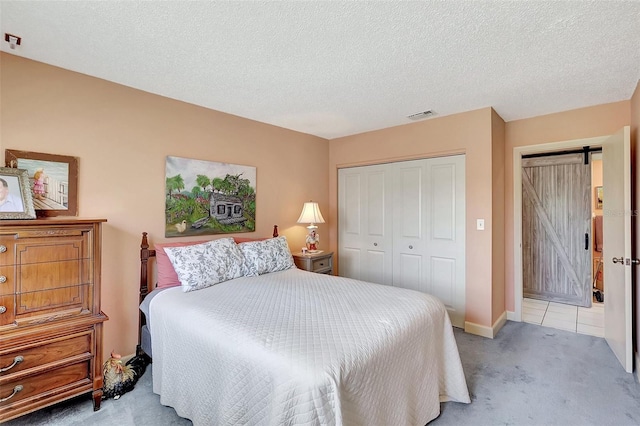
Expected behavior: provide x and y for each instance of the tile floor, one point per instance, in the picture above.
(565, 317)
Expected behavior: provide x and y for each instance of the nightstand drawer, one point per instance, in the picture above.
(319, 265)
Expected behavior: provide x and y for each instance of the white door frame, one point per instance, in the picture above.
(518, 152)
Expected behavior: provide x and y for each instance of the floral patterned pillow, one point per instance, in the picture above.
(203, 265)
(262, 257)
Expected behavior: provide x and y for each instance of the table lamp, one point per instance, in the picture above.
(311, 215)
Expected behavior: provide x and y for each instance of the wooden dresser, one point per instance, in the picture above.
(50, 317)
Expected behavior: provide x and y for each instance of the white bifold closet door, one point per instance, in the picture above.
(402, 224)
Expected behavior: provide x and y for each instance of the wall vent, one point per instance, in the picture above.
(421, 115)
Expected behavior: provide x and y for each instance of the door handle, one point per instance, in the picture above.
(635, 261)
(619, 260)
(586, 241)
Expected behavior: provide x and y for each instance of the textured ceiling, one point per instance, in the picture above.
(338, 68)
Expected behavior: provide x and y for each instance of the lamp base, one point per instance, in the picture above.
(313, 239)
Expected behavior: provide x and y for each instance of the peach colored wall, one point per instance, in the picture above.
(497, 200)
(581, 123)
(469, 133)
(122, 137)
(635, 140)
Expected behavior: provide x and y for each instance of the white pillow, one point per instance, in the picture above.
(262, 257)
(203, 265)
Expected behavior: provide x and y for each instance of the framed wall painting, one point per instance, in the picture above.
(206, 197)
(15, 194)
(599, 195)
(53, 180)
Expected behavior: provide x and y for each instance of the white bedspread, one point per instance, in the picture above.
(295, 347)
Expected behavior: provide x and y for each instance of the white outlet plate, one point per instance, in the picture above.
(480, 224)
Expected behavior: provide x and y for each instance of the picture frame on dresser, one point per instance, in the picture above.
(52, 181)
(15, 194)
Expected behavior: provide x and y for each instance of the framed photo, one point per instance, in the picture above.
(599, 197)
(53, 181)
(206, 197)
(15, 194)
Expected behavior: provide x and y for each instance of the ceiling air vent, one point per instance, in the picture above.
(421, 115)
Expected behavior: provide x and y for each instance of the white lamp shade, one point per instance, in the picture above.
(311, 213)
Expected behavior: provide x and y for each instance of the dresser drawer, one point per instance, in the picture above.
(44, 246)
(57, 350)
(27, 389)
(7, 309)
(7, 279)
(7, 250)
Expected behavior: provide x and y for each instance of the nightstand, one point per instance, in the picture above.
(321, 263)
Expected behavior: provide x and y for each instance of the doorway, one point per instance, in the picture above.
(518, 154)
(617, 253)
(562, 241)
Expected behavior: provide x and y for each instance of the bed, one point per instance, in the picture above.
(292, 347)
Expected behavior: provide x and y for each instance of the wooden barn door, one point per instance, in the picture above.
(556, 229)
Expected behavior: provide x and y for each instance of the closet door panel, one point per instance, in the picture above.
(442, 280)
(350, 205)
(408, 218)
(350, 265)
(409, 273)
(365, 224)
(408, 208)
(375, 196)
(442, 190)
(445, 245)
(375, 266)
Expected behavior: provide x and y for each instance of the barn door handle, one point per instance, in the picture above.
(586, 241)
(619, 260)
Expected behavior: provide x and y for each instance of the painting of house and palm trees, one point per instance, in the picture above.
(205, 197)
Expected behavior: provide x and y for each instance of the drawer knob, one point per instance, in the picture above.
(3, 279)
(3, 309)
(16, 389)
(17, 360)
(3, 249)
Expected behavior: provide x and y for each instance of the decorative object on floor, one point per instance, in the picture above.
(120, 379)
(311, 215)
(15, 194)
(206, 197)
(53, 180)
(275, 231)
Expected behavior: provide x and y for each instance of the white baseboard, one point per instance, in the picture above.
(483, 330)
(511, 316)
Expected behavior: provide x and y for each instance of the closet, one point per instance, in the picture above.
(402, 224)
